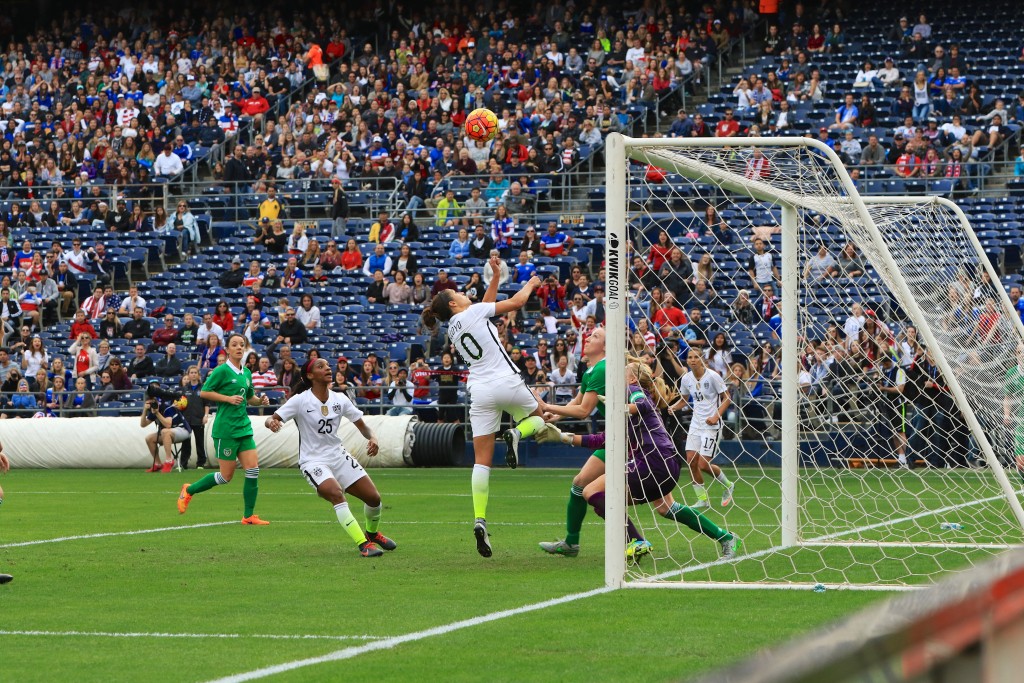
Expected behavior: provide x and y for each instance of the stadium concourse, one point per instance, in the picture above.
(254, 160)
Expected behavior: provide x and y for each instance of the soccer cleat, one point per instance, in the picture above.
(636, 549)
(255, 521)
(5, 578)
(381, 540)
(700, 504)
(560, 547)
(730, 546)
(727, 495)
(511, 438)
(483, 541)
(154, 468)
(184, 498)
(370, 549)
(167, 466)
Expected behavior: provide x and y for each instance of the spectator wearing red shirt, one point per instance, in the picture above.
(255, 106)
(552, 294)
(222, 316)
(81, 325)
(163, 336)
(667, 315)
(442, 284)
(659, 252)
(908, 165)
(727, 127)
(420, 378)
(758, 165)
(351, 258)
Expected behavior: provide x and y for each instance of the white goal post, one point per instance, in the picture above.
(834, 509)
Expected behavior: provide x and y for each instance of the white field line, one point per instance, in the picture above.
(203, 636)
(137, 532)
(817, 540)
(388, 643)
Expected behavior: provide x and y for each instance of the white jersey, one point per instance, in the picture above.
(319, 423)
(476, 340)
(704, 396)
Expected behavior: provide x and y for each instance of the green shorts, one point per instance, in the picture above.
(228, 449)
(1018, 441)
(599, 454)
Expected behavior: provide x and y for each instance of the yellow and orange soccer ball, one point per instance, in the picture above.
(482, 124)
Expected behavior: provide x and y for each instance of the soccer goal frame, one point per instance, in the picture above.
(620, 150)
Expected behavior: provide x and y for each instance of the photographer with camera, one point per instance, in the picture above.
(101, 264)
(165, 409)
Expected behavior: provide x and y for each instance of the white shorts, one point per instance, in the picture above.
(180, 435)
(488, 401)
(703, 441)
(342, 467)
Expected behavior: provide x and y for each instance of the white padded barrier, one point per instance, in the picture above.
(119, 442)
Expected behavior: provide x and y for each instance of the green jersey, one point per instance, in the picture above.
(593, 380)
(231, 422)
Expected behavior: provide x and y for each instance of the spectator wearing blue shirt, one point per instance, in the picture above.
(378, 260)
(1015, 299)
(459, 248)
(524, 269)
(846, 114)
(182, 149)
(682, 127)
(554, 242)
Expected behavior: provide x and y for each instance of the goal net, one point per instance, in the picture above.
(868, 352)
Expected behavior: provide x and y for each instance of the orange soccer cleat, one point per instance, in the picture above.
(184, 498)
(254, 520)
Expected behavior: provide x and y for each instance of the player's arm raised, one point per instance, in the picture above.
(516, 302)
(491, 295)
(371, 439)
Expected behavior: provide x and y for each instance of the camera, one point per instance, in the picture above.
(158, 393)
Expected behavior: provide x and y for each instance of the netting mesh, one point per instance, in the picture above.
(894, 487)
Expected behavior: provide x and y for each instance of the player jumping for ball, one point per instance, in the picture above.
(230, 385)
(323, 459)
(495, 384)
(708, 395)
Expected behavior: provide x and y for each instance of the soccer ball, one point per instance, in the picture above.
(482, 124)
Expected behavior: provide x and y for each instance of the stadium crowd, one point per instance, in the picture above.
(99, 117)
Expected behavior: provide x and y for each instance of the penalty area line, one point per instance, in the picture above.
(112, 634)
(137, 532)
(388, 643)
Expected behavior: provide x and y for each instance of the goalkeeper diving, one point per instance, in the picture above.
(652, 467)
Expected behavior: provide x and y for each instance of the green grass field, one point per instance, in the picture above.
(197, 603)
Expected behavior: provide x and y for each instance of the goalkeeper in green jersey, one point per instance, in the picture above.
(1013, 407)
(230, 385)
(589, 397)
